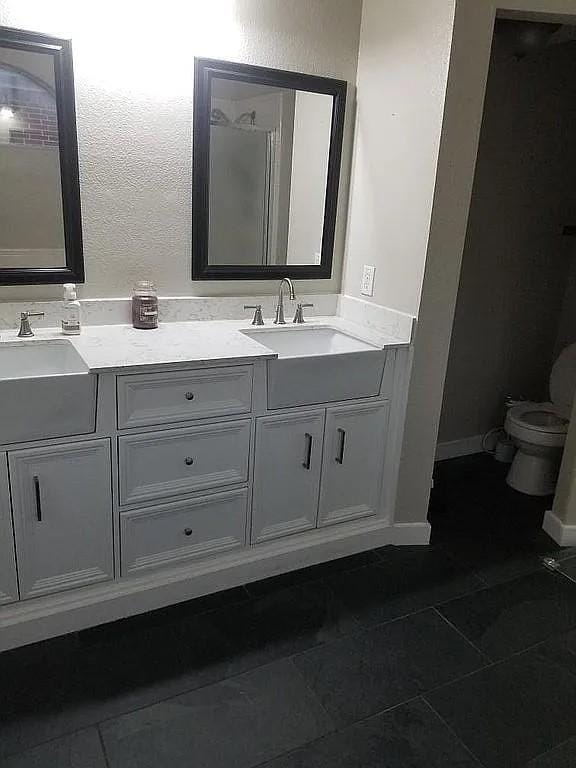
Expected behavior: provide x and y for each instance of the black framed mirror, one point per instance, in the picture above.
(40, 221)
(267, 150)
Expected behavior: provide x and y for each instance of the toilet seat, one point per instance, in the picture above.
(543, 423)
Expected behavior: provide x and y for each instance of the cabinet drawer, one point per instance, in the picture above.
(162, 398)
(162, 464)
(174, 533)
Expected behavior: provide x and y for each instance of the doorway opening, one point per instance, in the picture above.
(516, 306)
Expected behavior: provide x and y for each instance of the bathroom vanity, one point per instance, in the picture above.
(141, 469)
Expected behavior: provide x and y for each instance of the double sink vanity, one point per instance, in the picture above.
(142, 468)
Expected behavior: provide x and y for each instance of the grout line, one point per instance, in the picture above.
(336, 732)
(463, 636)
(360, 629)
(103, 745)
(453, 732)
(552, 749)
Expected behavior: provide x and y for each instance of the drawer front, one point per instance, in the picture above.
(163, 464)
(162, 398)
(175, 533)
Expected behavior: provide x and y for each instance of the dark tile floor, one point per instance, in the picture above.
(457, 655)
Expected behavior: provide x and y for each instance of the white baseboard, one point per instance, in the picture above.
(406, 534)
(463, 447)
(564, 535)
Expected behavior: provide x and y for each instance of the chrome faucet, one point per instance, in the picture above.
(279, 319)
(25, 329)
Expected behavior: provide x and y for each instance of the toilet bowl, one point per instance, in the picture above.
(539, 431)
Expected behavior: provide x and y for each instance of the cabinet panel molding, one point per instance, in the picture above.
(353, 465)
(170, 534)
(159, 465)
(161, 398)
(62, 508)
(287, 474)
(8, 579)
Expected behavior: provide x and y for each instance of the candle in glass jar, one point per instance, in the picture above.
(145, 305)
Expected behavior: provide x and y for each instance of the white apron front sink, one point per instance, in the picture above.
(319, 365)
(46, 390)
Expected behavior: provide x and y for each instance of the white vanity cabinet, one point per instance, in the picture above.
(62, 510)
(8, 580)
(287, 474)
(315, 469)
(196, 479)
(353, 462)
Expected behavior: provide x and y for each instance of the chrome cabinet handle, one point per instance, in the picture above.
(308, 451)
(340, 456)
(189, 461)
(189, 395)
(38, 498)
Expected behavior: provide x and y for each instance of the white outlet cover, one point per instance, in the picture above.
(367, 284)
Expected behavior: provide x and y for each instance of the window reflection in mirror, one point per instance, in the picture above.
(31, 223)
(40, 228)
(269, 151)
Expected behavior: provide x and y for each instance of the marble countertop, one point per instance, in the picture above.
(112, 348)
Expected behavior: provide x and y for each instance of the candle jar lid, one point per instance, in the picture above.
(144, 288)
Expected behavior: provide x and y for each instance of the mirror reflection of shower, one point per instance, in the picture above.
(262, 156)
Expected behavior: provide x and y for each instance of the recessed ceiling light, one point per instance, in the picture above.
(6, 113)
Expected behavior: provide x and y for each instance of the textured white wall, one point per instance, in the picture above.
(402, 71)
(134, 74)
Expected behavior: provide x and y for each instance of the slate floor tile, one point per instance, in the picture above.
(406, 580)
(386, 665)
(240, 722)
(44, 694)
(561, 649)
(513, 616)
(78, 750)
(568, 567)
(283, 622)
(313, 573)
(563, 756)
(511, 712)
(409, 736)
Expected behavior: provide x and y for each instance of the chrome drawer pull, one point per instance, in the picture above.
(189, 395)
(188, 531)
(38, 498)
(340, 457)
(189, 461)
(308, 452)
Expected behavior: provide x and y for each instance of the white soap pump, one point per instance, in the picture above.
(70, 311)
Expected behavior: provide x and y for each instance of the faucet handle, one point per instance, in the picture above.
(299, 316)
(25, 330)
(257, 319)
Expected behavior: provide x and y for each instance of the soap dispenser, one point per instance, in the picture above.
(70, 311)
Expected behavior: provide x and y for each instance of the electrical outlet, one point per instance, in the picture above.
(367, 284)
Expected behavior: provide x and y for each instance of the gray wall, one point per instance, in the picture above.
(515, 262)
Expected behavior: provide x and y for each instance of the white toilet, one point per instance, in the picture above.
(539, 431)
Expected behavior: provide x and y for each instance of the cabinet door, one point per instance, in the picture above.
(8, 582)
(62, 505)
(287, 474)
(353, 464)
